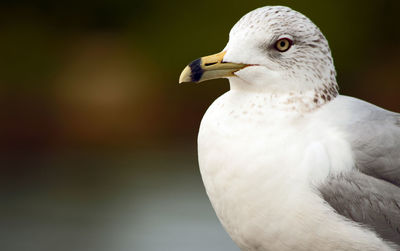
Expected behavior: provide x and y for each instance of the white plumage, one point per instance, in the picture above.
(271, 147)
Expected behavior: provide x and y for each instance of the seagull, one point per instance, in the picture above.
(287, 162)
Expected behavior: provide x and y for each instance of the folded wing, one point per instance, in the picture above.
(370, 194)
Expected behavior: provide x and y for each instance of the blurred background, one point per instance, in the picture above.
(98, 140)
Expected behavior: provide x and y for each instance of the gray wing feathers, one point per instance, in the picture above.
(370, 194)
(367, 200)
(378, 154)
(374, 134)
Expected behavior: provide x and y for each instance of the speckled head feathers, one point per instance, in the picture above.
(306, 66)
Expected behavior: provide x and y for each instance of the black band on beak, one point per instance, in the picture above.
(196, 70)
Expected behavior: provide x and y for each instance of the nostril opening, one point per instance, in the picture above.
(208, 64)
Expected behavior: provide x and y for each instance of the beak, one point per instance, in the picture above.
(209, 67)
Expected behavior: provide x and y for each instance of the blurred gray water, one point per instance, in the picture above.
(148, 201)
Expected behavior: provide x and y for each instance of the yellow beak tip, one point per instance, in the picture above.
(185, 75)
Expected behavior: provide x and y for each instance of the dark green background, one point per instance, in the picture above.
(98, 140)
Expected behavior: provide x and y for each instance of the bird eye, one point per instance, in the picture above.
(283, 44)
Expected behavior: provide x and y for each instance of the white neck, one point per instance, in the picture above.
(294, 100)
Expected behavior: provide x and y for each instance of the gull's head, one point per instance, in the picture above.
(273, 49)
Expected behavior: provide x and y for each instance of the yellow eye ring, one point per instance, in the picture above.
(283, 44)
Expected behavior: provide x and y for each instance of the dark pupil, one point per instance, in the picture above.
(283, 43)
